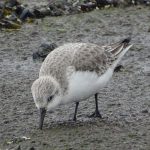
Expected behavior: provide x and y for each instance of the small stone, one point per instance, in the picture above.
(33, 141)
(145, 111)
(31, 148)
(35, 55)
(6, 122)
(44, 143)
(88, 6)
(25, 14)
(44, 50)
(118, 68)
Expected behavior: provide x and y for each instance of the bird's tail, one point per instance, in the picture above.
(115, 46)
(118, 50)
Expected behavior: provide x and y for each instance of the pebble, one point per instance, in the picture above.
(118, 68)
(145, 111)
(31, 148)
(44, 50)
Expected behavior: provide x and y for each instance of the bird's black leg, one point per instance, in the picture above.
(96, 113)
(75, 113)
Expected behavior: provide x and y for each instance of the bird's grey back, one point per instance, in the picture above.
(77, 56)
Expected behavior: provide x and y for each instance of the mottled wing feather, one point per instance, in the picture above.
(66, 59)
(91, 57)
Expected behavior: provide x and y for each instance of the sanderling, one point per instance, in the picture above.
(74, 72)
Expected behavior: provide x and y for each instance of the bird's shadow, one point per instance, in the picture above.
(62, 123)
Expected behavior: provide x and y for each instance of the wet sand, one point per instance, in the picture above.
(124, 103)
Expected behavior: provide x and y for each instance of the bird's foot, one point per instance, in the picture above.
(96, 114)
(74, 119)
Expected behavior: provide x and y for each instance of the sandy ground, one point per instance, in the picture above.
(124, 103)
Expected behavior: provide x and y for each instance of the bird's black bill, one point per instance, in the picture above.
(42, 116)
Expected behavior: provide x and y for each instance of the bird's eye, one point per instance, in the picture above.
(50, 98)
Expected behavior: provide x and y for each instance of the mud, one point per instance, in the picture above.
(124, 103)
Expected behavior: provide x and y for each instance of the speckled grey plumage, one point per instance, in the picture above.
(75, 57)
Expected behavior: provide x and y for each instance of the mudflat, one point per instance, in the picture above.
(124, 103)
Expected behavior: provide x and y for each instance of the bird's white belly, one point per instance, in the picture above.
(82, 85)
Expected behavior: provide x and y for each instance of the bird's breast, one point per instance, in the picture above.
(82, 85)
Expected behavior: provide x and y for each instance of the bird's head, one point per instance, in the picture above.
(46, 94)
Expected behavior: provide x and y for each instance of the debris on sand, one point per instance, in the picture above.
(88, 6)
(145, 111)
(103, 3)
(18, 140)
(118, 68)
(43, 51)
(13, 13)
